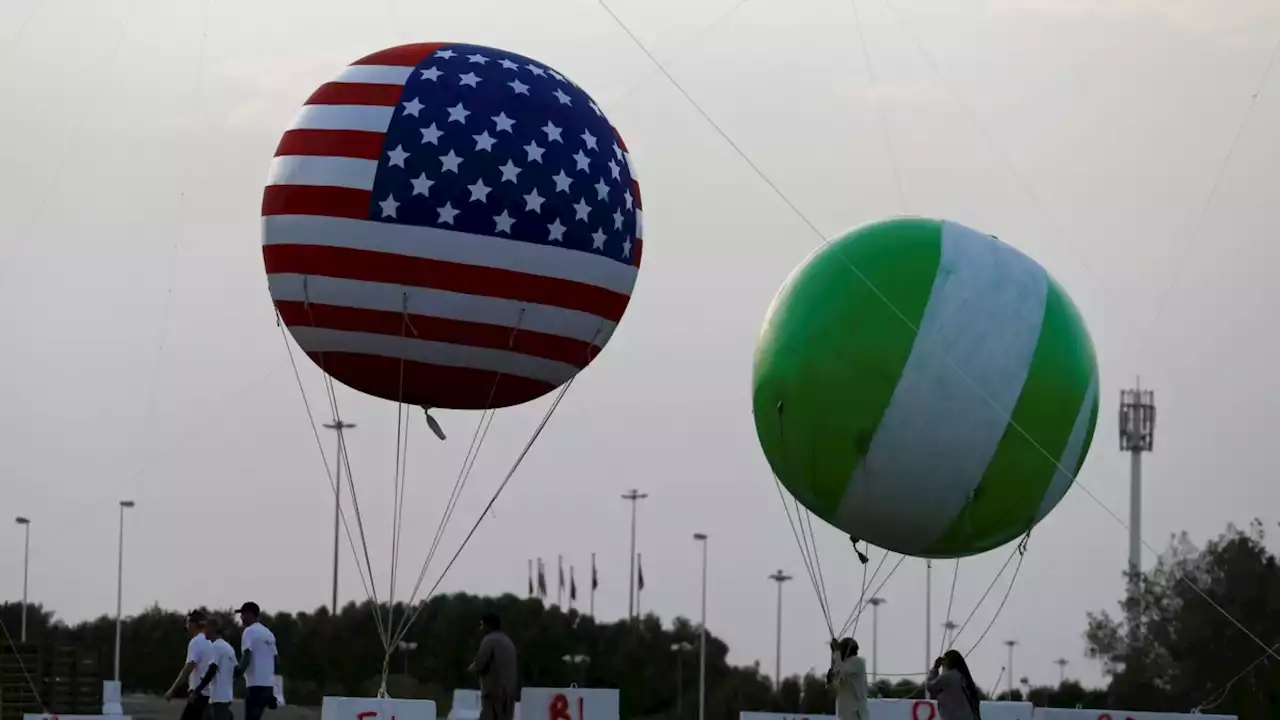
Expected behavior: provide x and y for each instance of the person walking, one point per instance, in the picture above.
(848, 674)
(952, 685)
(199, 655)
(220, 678)
(258, 654)
(495, 663)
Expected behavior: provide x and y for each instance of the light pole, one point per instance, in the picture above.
(875, 603)
(680, 649)
(778, 577)
(1011, 644)
(580, 663)
(702, 634)
(1062, 671)
(634, 496)
(26, 564)
(339, 427)
(406, 648)
(948, 628)
(124, 505)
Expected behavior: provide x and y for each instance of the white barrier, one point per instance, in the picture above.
(916, 710)
(55, 716)
(111, 698)
(345, 708)
(568, 704)
(466, 705)
(928, 710)
(1064, 714)
(991, 710)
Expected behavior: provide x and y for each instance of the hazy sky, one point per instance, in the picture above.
(143, 361)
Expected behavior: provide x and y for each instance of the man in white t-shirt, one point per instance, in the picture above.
(220, 677)
(257, 662)
(199, 655)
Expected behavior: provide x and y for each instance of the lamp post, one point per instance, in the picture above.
(680, 649)
(875, 603)
(1011, 644)
(948, 628)
(26, 564)
(634, 497)
(1062, 671)
(406, 648)
(339, 427)
(702, 634)
(778, 577)
(124, 505)
(579, 662)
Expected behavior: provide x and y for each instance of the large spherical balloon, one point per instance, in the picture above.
(451, 226)
(909, 440)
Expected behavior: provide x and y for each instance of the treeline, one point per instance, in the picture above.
(326, 655)
(1181, 653)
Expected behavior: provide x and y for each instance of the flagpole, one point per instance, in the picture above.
(530, 578)
(640, 585)
(573, 588)
(560, 581)
(593, 586)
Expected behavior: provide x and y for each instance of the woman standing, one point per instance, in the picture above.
(848, 674)
(952, 685)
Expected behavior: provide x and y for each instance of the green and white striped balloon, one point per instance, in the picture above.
(925, 387)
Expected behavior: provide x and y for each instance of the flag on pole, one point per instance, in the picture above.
(530, 578)
(573, 587)
(639, 573)
(560, 560)
(595, 579)
(542, 580)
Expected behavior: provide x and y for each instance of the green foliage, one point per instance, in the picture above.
(1179, 651)
(326, 655)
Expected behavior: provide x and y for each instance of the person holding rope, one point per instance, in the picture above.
(951, 684)
(495, 663)
(848, 674)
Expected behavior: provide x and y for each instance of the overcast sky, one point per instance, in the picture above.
(142, 360)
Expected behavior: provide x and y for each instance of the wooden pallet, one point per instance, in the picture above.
(60, 679)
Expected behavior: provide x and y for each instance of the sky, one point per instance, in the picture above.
(1127, 146)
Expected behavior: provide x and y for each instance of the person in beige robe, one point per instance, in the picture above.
(848, 674)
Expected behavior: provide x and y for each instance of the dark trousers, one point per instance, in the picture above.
(195, 708)
(221, 711)
(497, 706)
(256, 701)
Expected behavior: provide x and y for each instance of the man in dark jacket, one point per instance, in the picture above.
(496, 665)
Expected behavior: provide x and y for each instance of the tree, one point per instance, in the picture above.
(1182, 651)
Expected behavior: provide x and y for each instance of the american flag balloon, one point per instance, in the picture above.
(451, 226)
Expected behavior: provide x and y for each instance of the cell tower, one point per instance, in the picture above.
(1137, 436)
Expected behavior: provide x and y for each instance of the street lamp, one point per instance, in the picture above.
(339, 427)
(875, 603)
(26, 563)
(1011, 644)
(778, 577)
(948, 628)
(633, 496)
(1062, 670)
(124, 505)
(702, 634)
(580, 662)
(406, 648)
(680, 649)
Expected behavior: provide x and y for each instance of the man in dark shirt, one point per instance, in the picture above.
(496, 665)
